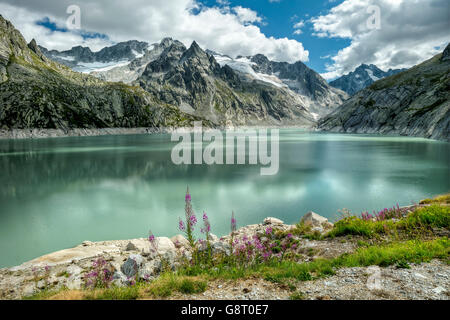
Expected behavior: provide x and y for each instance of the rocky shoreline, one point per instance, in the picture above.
(66, 267)
(59, 133)
(39, 133)
(135, 259)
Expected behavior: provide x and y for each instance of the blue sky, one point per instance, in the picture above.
(334, 37)
(279, 18)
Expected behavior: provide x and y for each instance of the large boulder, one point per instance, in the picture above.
(164, 244)
(314, 220)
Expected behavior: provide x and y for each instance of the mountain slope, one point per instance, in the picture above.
(36, 92)
(304, 81)
(319, 97)
(415, 102)
(193, 80)
(361, 78)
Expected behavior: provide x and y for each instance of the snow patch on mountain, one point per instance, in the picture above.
(244, 65)
(84, 67)
(370, 73)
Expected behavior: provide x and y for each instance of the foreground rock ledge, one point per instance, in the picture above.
(131, 258)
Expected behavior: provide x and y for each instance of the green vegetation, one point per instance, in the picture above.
(114, 293)
(169, 283)
(193, 280)
(444, 199)
(383, 255)
(416, 222)
(297, 296)
(45, 294)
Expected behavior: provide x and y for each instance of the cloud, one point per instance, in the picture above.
(230, 31)
(246, 15)
(298, 27)
(409, 32)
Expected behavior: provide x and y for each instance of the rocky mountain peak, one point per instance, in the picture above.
(194, 51)
(167, 41)
(260, 59)
(35, 48)
(11, 43)
(362, 77)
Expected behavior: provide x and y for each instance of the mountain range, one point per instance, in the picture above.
(166, 84)
(297, 79)
(82, 59)
(361, 78)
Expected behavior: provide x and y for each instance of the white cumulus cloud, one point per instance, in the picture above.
(410, 31)
(232, 31)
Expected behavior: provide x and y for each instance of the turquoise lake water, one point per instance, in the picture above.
(56, 193)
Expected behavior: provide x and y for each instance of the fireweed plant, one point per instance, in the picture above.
(188, 226)
(100, 275)
(387, 213)
(243, 251)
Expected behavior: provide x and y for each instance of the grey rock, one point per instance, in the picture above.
(180, 241)
(131, 247)
(119, 279)
(314, 219)
(131, 267)
(221, 247)
(213, 237)
(271, 220)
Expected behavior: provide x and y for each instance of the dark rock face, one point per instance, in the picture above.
(415, 103)
(302, 80)
(361, 78)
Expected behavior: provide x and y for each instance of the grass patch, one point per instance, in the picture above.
(445, 199)
(45, 294)
(63, 274)
(436, 216)
(114, 293)
(419, 221)
(169, 283)
(297, 296)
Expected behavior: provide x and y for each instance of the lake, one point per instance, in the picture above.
(56, 193)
